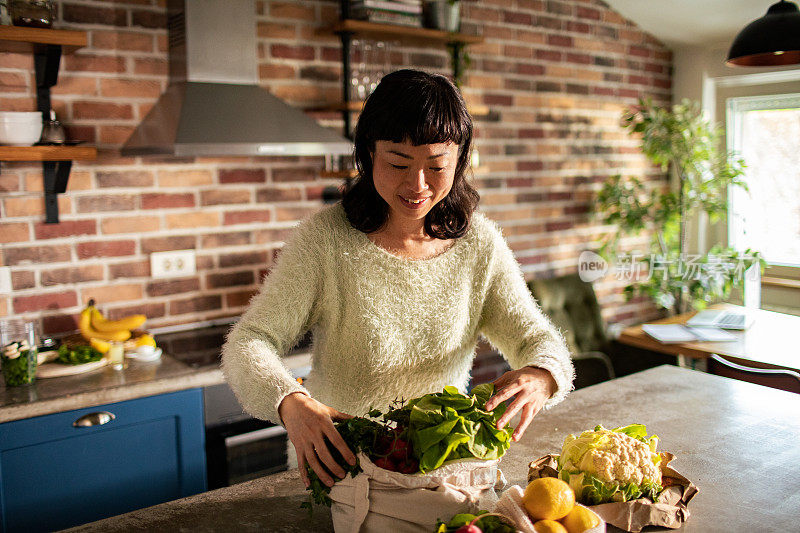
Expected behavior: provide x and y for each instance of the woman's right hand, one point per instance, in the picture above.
(308, 423)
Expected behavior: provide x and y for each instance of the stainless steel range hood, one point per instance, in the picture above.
(213, 105)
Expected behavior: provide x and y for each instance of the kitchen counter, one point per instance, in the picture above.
(735, 440)
(106, 385)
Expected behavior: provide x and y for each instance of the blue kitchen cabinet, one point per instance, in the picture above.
(55, 474)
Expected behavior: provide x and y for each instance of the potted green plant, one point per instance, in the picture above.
(683, 141)
(443, 15)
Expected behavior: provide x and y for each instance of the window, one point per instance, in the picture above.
(765, 132)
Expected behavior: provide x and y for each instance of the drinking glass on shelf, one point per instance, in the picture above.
(116, 355)
(19, 352)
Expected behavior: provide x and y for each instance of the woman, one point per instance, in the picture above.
(396, 282)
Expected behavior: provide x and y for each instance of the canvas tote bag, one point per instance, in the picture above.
(377, 500)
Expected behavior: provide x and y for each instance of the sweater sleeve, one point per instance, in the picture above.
(512, 321)
(278, 315)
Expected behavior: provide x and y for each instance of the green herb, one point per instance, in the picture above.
(20, 370)
(77, 355)
(490, 524)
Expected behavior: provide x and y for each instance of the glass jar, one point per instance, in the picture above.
(18, 352)
(32, 13)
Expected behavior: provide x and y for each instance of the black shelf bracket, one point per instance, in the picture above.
(56, 175)
(47, 60)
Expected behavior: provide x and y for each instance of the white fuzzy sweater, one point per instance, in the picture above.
(385, 327)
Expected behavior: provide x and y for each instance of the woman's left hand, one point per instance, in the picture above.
(530, 387)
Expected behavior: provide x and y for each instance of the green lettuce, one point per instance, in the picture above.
(449, 425)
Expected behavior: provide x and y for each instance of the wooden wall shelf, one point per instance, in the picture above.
(47, 153)
(373, 29)
(19, 39)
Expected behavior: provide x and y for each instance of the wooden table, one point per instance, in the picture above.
(736, 441)
(773, 341)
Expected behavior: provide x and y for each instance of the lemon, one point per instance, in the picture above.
(146, 340)
(548, 526)
(548, 498)
(579, 520)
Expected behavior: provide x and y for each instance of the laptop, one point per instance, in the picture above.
(722, 318)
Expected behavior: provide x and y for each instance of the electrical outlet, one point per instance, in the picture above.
(5, 280)
(172, 264)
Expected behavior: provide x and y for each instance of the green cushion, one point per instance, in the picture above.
(572, 306)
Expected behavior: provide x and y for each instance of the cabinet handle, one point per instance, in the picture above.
(94, 419)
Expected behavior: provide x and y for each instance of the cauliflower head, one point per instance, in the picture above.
(611, 465)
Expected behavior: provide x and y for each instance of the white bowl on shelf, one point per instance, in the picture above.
(20, 129)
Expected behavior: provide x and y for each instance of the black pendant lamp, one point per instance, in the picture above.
(772, 40)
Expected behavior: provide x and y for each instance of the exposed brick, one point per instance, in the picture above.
(242, 175)
(135, 269)
(294, 174)
(101, 110)
(150, 310)
(231, 238)
(276, 30)
(275, 72)
(239, 298)
(249, 258)
(173, 286)
(184, 178)
(196, 219)
(283, 51)
(133, 224)
(44, 301)
(167, 200)
(230, 279)
(279, 194)
(284, 214)
(24, 255)
(291, 11)
(112, 293)
(127, 40)
(94, 15)
(163, 244)
(79, 62)
(105, 249)
(105, 202)
(66, 228)
(33, 206)
(65, 276)
(14, 232)
(126, 178)
(195, 305)
(225, 196)
(126, 88)
(148, 19)
(157, 67)
(245, 217)
(23, 279)
(59, 324)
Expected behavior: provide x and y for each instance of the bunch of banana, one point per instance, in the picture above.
(94, 326)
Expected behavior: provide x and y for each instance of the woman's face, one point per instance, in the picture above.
(413, 179)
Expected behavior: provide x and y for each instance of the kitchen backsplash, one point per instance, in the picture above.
(556, 76)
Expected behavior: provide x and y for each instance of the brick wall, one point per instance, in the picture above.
(555, 74)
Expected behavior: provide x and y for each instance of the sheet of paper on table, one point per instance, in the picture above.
(673, 333)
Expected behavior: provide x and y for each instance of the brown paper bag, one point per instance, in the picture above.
(670, 511)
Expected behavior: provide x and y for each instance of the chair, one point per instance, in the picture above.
(787, 380)
(572, 306)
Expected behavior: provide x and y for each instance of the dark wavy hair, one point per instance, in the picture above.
(422, 108)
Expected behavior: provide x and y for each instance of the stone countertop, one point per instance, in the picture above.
(106, 385)
(734, 440)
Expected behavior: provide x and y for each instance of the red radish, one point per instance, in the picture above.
(400, 451)
(386, 464)
(408, 466)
